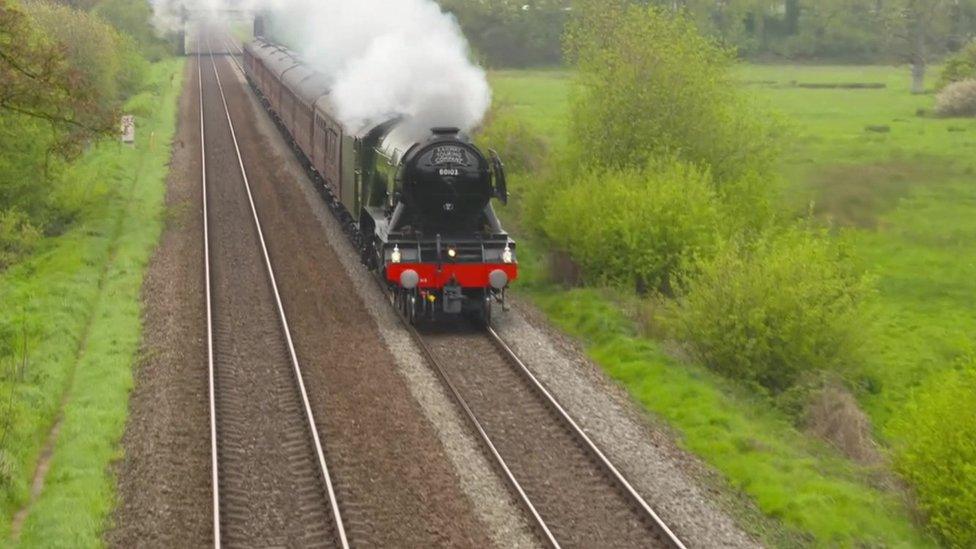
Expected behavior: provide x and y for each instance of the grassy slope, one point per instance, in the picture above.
(79, 300)
(902, 197)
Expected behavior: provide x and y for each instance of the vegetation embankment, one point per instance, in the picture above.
(762, 303)
(87, 213)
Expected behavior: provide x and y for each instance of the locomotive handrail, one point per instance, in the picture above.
(498, 173)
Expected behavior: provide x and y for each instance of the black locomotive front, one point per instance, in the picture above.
(446, 183)
(435, 235)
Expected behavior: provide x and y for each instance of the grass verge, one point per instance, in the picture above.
(74, 311)
(904, 197)
(818, 496)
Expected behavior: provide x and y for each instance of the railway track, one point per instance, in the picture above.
(271, 483)
(574, 494)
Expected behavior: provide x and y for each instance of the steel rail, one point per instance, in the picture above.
(286, 331)
(210, 347)
(476, 423)
(670, 537)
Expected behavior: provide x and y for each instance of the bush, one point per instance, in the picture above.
(938, 454)
(522, 149)
(133, 19)
(958, 99)
(649, 85)
(635, 226)
(768, 312)
(108, 59)
(17, 237)
(959, 67)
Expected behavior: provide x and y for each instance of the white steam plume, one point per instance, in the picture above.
(385, 58)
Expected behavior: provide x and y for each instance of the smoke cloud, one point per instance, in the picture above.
(385, 58)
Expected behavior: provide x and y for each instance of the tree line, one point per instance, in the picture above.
(65, 69)
(516, 33)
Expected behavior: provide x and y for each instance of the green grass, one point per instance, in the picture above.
(905, 198)
(541, 97)
(77, 301)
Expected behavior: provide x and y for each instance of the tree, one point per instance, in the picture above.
(513, 33)
(37, 81)
(850, 30)
(914, 26)
(650, 84)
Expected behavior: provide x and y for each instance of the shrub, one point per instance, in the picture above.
(938, 454)
(649, 84)
(635, 226)
(522, 149)
(108, 59)
(767, 312)
(17, 237)
(957, 99)
(959, 67)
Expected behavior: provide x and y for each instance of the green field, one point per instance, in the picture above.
(74, 312)
(871, 164)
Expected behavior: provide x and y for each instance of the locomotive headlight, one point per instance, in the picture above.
(452, 253)
(396, 256)
(507, 256)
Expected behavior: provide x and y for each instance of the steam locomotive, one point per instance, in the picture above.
(417, 200)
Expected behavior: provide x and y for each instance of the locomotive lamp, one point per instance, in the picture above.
(396, 256)
(507, 255)
(452, 253)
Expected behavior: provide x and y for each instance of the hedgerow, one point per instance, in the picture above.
(645, 227)
(767, 312)
(938, 454)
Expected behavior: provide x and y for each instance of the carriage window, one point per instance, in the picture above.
(333, 143)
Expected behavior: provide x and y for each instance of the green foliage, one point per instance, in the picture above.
(63, 75)
(915, 186)
(650, 85)
(645, 227)
(107, 58)
(38, 81)
(961, 66)
(938, 454)
(510, 33)
(848, 30)
(132, 18)
(77, 305)
(25, 166)
(768, 312)
(819, 498)
(957, 99)
(521, 148)
(17, 237)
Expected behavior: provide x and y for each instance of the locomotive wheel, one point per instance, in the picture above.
(408, 306)
(486, 310)
(411, 304)
(481, 316)
(405, 302)
(367, 254)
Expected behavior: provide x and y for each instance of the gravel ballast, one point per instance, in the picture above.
(649, 459)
